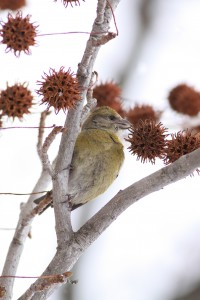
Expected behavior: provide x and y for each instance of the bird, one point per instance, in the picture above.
(97, 157)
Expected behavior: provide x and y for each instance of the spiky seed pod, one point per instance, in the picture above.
(147, 140)
(181, 143)
(59, 90)
(184, 99)
(12, 4)
(66, 2)
(109, 94)
(142, 112)
(15, 101)
(18, 34)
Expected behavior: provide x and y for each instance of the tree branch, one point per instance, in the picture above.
(93, 228)
(22, 230)
(24, 223)
(152, 183)
(44, 149)
(60, 183)
(62, 214)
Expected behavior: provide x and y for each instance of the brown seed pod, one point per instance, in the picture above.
(108, 94)
(142, 112)
(15, 101)
(184, 99)
(59, 90)
(18, 34)
(147, 140)
(181, 143)
(12, 4)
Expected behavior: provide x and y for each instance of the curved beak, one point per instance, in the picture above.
(123, 124)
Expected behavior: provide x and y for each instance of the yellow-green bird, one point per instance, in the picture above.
(98, 156)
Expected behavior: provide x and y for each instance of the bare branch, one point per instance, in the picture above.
(23, 194)
(44, 149)
(104, 39)
(181, 168)
(24, 224)
(91, 102)
(66, 258)
(21, 233)
(62, 214)
(43, 117)
(46, 283)
(24, 127)
(60, 183)
(109, 4)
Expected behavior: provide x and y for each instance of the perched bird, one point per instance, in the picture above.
(98, 156)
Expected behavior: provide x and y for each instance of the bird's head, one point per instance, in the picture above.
(106, 118)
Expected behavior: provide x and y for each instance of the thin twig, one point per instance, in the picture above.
(91, 102)
(24, 194)
(104, 39)
(117, 31)
(48, 281)
(21, 233)
(43, 117)
(52, 276)
(26, 127)
(72, 32)
(47, 143)
(59, 33)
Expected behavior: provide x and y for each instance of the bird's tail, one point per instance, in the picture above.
(47, 201)
(44, 202)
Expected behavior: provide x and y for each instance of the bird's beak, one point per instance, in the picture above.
(123, 124)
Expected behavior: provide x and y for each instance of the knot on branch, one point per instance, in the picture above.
(104, 39)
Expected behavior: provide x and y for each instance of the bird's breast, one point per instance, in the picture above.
(97, 159)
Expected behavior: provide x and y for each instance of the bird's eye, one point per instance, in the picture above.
(112, 118)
